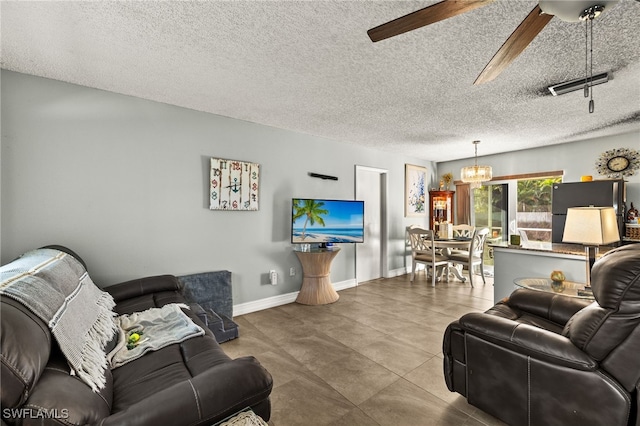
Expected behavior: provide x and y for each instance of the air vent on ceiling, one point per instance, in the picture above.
(578, 84)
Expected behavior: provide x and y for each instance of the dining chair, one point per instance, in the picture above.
(407, 240)
(463, 230)
(474, 256)
(422, 251)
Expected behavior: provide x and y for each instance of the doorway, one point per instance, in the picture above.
(490, 209)
(371, 187)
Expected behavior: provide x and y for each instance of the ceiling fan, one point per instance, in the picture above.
(538, 18)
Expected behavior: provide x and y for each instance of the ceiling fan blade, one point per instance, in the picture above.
(515, 44)
(420, 18)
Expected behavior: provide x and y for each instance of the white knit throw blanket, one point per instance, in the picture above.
(158, 328)
(56, 287)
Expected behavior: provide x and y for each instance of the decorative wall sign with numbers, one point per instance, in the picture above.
(234, 185)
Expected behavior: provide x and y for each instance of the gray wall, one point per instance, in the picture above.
(124, 182)
(576, 159)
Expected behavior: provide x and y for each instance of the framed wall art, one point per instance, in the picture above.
(415, 189)
(234, 185)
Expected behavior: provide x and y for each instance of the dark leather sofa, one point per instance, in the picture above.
(188, 383)
(546, 359)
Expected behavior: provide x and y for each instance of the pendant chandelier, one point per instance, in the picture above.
(475, 175)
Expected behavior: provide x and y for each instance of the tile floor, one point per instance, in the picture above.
(372, 358)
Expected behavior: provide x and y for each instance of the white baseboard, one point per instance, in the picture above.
(397, 272)
(281, 299)
(343, 285)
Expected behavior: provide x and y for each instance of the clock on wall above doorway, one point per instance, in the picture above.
(618, 163)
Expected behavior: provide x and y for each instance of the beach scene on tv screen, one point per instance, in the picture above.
(327, 221)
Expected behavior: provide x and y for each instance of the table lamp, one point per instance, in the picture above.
(591, 226)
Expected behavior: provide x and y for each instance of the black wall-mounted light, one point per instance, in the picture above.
(320, 176)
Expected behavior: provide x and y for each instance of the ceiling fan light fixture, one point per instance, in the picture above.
(588, 15)
(591, 12)
(576, 11)
(475, 175)
(573, 10)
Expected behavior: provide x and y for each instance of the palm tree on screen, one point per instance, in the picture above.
(313, 211)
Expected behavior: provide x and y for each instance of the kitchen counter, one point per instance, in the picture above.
(557, 248)
(537, 260)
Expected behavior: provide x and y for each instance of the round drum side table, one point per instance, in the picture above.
(316, 282)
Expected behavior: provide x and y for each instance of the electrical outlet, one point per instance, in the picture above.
(273, 277)
(292, 272)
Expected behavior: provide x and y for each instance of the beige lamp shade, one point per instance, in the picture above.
(591, 226)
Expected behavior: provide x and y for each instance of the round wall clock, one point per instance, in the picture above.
(618, 163)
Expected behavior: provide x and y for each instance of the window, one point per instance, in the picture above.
(518, 204)
(533, 214)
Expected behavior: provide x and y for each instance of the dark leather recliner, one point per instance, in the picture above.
(546, 359)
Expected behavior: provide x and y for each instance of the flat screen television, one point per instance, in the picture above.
(319, 221)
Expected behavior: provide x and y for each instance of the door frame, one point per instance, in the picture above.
(384, 228)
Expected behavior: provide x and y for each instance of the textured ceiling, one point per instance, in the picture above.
(309, 66)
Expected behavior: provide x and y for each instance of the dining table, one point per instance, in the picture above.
(446, 245)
